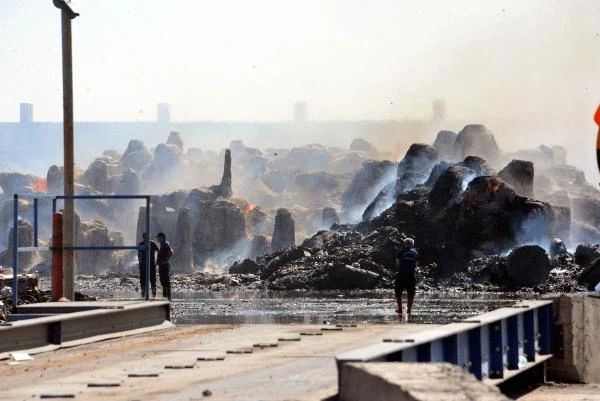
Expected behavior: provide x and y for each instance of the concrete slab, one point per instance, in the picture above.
(412, 382)
(294, 370)
(577, 348)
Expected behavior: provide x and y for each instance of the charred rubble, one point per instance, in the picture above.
(323, 218)
(465, 247)
(477, 230)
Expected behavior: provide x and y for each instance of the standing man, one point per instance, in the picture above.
(406, 264)
(142, 263)
(164, 256)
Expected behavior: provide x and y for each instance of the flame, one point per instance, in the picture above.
(41, 185)
(493, 186)
(248, 207)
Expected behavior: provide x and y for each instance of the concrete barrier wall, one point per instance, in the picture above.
(401, 381)
(576, 339)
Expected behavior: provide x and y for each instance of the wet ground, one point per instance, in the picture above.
(333, 308)
(360, 307)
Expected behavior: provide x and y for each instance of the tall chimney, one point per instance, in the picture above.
(163, 114)
(299, 112)
(26, 113)
(439, 110)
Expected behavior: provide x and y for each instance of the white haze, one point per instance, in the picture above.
(526, 69)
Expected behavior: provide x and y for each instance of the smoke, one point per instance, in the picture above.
(526, 70)
(221, 260)
(379, 195)
(534, 230)
(467, 178)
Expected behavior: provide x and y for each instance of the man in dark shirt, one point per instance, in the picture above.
(406, 264)
(164, 255)
(142, 264)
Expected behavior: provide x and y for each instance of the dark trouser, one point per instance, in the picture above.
(165, 281)
(405, 281)
(143, 277)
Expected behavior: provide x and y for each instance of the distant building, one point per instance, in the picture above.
(439, 110)
(163, 113)
(26, 113)
(29, 146)
(299, 112)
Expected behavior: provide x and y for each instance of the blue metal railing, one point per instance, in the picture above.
(54, 199)
(492, 346)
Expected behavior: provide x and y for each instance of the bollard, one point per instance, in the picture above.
(57, 257)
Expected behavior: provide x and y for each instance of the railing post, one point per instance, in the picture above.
(55, 333)
(496, 355)
(15, 251)
(57, 257)
(475, 356)
(450, 351)
(424, 352)
(512, 331)
(148, 249)
(529, 335)
(545, 329)
(35, 221)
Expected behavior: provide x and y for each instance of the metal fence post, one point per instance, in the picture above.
(148, 249)
(512, 331)
(475, 356)
(15, 244)
(496, 358)
(545, 329)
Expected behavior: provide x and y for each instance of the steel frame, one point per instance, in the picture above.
(492, 346)
(55, 198)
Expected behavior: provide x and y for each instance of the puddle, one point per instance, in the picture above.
(321, 307)
(327, 307)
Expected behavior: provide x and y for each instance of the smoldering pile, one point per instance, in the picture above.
(361, 257)
(480, 219)
(478, 230)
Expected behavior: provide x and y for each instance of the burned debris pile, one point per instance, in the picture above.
(458, 249)
(314, 217)
(477, 230)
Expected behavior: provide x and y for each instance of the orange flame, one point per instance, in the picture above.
(41, 185)
(493, 186)
(248, 207)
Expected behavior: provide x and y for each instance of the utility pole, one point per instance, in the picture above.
(67, 14)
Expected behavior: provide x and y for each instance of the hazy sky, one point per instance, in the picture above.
(527, 61)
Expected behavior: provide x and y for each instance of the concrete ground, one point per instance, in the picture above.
(563, 392)
(220, 362)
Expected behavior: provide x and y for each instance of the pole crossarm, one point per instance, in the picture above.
(63, 6)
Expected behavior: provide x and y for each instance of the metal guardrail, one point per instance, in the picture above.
(56, 323)
(493, 346)
(36, 197)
